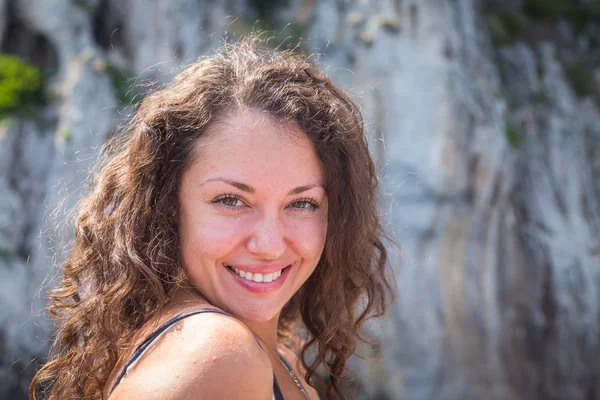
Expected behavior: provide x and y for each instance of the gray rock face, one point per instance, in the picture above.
(486, 155)
(25, 154)
(554, 318)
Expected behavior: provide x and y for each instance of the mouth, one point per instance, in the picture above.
(258, 277)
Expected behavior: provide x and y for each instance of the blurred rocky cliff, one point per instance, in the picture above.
(483, 117)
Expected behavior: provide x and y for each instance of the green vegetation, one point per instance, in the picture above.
(273, 31)
(580, 78)
(265, 8)
(512, 27)
(578, 13)
(86, 5)
(66, 134)
(508, 25)
(540, 70)
(121, 82)
(546, 9)
(513, 135)
(6, 254)
(21, 87)
(541, 96)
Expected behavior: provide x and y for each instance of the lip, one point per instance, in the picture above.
(262, 287)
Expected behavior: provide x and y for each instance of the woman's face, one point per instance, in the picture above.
(253, 215)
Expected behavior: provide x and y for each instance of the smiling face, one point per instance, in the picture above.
(252, 215)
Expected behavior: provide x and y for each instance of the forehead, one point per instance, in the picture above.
(257, 149)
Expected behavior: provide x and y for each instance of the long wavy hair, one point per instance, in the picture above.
(125, 258)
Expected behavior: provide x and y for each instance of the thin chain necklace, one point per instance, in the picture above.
(290, 372)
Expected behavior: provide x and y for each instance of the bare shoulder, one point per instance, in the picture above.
(208, 354)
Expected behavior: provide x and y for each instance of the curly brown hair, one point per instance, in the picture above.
(125, 261)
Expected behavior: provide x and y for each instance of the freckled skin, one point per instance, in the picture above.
(266, 227)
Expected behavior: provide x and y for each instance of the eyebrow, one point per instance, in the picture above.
(250, 189)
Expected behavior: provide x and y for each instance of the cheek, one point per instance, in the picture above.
(308, 237)
(210, 239)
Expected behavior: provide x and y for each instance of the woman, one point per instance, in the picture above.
(232, 229)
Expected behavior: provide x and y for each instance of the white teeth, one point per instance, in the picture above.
(256, 277)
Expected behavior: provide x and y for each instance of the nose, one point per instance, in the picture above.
(267, 240)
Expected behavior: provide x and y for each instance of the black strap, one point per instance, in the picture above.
(139, 350)
(276, 388)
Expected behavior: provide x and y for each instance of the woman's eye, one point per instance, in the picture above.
(305, 204)
(229, 201)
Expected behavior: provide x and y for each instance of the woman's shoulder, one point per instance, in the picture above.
(207, 353)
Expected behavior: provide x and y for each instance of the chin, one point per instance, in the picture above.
(257, 314)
